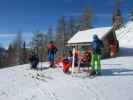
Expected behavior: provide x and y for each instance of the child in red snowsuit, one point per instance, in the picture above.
(66, 65)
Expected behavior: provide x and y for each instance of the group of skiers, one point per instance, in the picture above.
(95, 64)
(92, 57)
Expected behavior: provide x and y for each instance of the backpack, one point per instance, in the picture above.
(97, 45)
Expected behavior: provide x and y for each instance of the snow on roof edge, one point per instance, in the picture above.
(80, 38)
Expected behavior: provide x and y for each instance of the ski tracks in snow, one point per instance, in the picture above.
(92, 91)
(48, 92)
(45, 90)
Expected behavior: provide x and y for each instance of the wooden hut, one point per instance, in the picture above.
(106, 34)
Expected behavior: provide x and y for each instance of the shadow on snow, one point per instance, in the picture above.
(117, 72)
(125, 52)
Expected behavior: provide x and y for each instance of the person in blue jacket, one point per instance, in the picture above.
(96, 45)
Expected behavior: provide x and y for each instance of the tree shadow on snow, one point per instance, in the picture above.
(125, 52)
(117, 72)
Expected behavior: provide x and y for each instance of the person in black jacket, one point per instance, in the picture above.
(34, 60)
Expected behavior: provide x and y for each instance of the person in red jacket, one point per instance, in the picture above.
(52, 49)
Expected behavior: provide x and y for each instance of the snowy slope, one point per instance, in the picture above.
(116, 83)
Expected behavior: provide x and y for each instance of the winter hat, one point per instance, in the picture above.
(95, 37)
(51, 42)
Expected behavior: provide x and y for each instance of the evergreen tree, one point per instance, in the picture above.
(3, 56)
(132, 15)
(77, 25)
(70, 28)
(117, 18)
(17, 48)
(61, 38)
(24, 53)
(39, 44)
(86, 19)
(11, 59)
(50, 34)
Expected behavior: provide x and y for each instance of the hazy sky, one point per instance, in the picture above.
(32, 15)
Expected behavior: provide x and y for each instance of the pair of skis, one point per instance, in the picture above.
(40, 77)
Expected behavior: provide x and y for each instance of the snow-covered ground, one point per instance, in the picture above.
(115, 83)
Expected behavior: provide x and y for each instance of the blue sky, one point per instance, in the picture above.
(32, 15)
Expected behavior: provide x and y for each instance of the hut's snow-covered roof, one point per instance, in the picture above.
(87, 35)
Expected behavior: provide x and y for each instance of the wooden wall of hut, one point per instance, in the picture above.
(109, 39)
